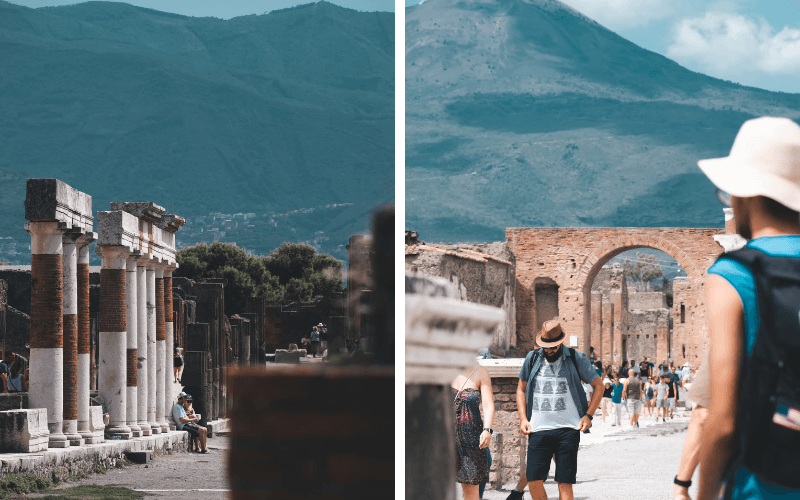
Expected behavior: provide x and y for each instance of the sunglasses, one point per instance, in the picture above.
(723, 197)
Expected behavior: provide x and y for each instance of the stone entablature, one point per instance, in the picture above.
(53, 200)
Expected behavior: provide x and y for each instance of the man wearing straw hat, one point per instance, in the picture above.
(553, 410)
(753, 317)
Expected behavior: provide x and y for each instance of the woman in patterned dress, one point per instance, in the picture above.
(472, 389)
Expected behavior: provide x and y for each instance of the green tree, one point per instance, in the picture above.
(246, 274)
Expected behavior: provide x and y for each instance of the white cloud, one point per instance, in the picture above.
(728, 45)
(621, 14)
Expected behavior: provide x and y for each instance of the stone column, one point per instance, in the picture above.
(131, 342)
(45, 389)
(84, 341)
(70, 352)
(160, 349)
(151, 349)
(169, 348)
(113, 346)
(141, 344)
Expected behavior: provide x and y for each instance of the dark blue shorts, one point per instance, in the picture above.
(543, 445)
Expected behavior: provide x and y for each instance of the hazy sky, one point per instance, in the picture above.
(224, 9)
(752, 42)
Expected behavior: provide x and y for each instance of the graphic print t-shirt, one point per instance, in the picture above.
(553, 406)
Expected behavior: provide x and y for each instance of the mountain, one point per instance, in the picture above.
(528, 113)
(262, 114)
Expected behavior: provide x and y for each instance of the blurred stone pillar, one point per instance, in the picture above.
(84, 339)
(443, 336)
(132, 342)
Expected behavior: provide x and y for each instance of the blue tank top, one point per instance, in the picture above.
(15, 384)
(748, 486)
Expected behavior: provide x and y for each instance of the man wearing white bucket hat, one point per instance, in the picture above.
(752, 432)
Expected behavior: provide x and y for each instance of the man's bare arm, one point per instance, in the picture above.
(597, 395)
(522, 407)
(726, 322)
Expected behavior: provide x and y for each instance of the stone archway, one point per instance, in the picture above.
(614, 350)
(572, 257)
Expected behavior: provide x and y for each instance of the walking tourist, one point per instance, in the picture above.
(315, 341)
(690, 457)
(552, 409)
(471, 390)
(671, 393)
(17, 381)
(616, 400)
(177, 363)
(632, 394)
(606, 406)
(662, 390)
(751, 441)
(650, 396)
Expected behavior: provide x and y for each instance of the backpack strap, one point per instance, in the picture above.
(574, 363)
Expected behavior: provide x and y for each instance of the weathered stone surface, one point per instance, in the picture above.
(23, 431)
(139, 457)
(147, 211)
(118, 228)
(96, 426)
(54, 200)
(284, 356)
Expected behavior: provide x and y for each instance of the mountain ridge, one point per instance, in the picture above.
(520, 113)
(252, 114)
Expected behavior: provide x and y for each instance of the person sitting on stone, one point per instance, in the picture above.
(187, 405)
(183, 422)
(17, 382)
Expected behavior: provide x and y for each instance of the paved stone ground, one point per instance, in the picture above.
(618, 463)
(181, 475)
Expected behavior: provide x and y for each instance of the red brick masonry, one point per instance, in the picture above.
(113, 313)
(47, 283)
(168, 300)
(132, 373)
(70, 367)
(84, 342)
(160, 332)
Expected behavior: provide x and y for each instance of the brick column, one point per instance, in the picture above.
(131, 342)
(111, 377)
(151, 349)
(160, 349)
(70, 301)
(45, 389)
(141, 344)
(169, 340)
(84, 341)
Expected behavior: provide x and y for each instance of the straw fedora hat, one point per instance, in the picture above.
(551, 334)
(764, 161)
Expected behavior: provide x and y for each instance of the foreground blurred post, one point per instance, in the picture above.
(443, 335)
(322, 430)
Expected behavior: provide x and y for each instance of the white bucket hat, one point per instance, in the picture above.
(764, 161)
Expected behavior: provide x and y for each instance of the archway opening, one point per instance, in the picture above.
(546, 300)
(630, 306)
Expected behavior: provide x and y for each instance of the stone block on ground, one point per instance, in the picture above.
(138, 457)
(284, 356)
(23, 431)
(96, 425)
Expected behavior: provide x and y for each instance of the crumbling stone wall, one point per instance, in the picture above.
(647, 300)
(572, 258)
(506, 421)
(610, 316)
(644, 332)
(689, 328)
(484, 274)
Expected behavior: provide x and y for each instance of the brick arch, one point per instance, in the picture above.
(572, 257)
(615, 246)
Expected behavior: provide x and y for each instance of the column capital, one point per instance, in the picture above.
(169, 269)
(86, 239)
(46, 237)
(71, 237)
(144, 259)
(132, 261)
(113, 256)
